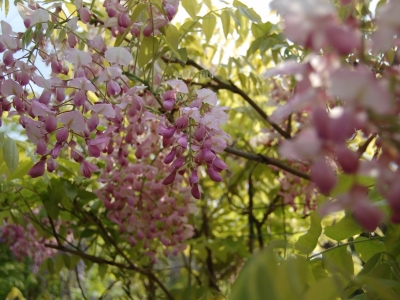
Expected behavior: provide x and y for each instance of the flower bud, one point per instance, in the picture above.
(169, 179)
(8, 58)
(183, 141)
(60, 94)
(93, 122)
(62, 134)
(167, 132)
(93, 150)
(123, 20)
(27, 22)
(111, 12)
(320, 119)
(51, 123)
(347, 159)
(170, 156)
(18, 104)
(170, 11)
(195, 191)
(80, 98)
(200, 133)
(213, 174)
(178, 163)
(393, 197)
(169, 104)
(84, 15)
(24, 78)
(218, 164)
(45, 97)
(208, 155)
(87, 168)
(56, 151)
(367, 215)
(113, 88)
(182, 122)
(72, 40)
(323, 176)
(41, 147)
(194, 178)
(37, 170)
(52, 165)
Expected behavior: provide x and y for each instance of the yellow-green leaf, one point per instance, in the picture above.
(191, 7)
(226, 22)
(209, 23)
(345, 228)
(148, 47)
(308, 241)
(10, 154)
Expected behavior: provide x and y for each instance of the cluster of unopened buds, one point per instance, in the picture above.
(195, 136)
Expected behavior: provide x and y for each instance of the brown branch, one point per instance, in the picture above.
(364, 146)
(100, 260)
(236, 90)
(267, 161)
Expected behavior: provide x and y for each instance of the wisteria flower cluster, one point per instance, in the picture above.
(342, 98)
(89, 109)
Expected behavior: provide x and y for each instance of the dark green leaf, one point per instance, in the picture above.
(368, 248)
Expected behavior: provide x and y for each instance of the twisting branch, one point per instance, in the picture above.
(236, 90)
(267, 161)
(79, 283)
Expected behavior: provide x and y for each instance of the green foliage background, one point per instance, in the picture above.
(247, 244)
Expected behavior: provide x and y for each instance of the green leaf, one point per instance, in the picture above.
(148, 47)
(237, 3)
(370, 264)
(208, 3)
(339, 259)
(261, 30)
(262, 275)
(250, 14)
(209, 23)
(172, 39)
(23, 168)
(382, 287)
(392, 239)
(10, 154)
(345, 228)
(103, 270)
(59, 264)
(324, 289)
(255, 280)
(191, 7)
(70, 190)
(1, 139)
(226, 22)
(308, 241)
(183, 54)
(6, 7)
(368, 248)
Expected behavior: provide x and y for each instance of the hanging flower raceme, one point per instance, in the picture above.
(195, 136)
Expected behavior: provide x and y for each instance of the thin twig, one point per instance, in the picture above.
(267, 161)
(79, 283)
